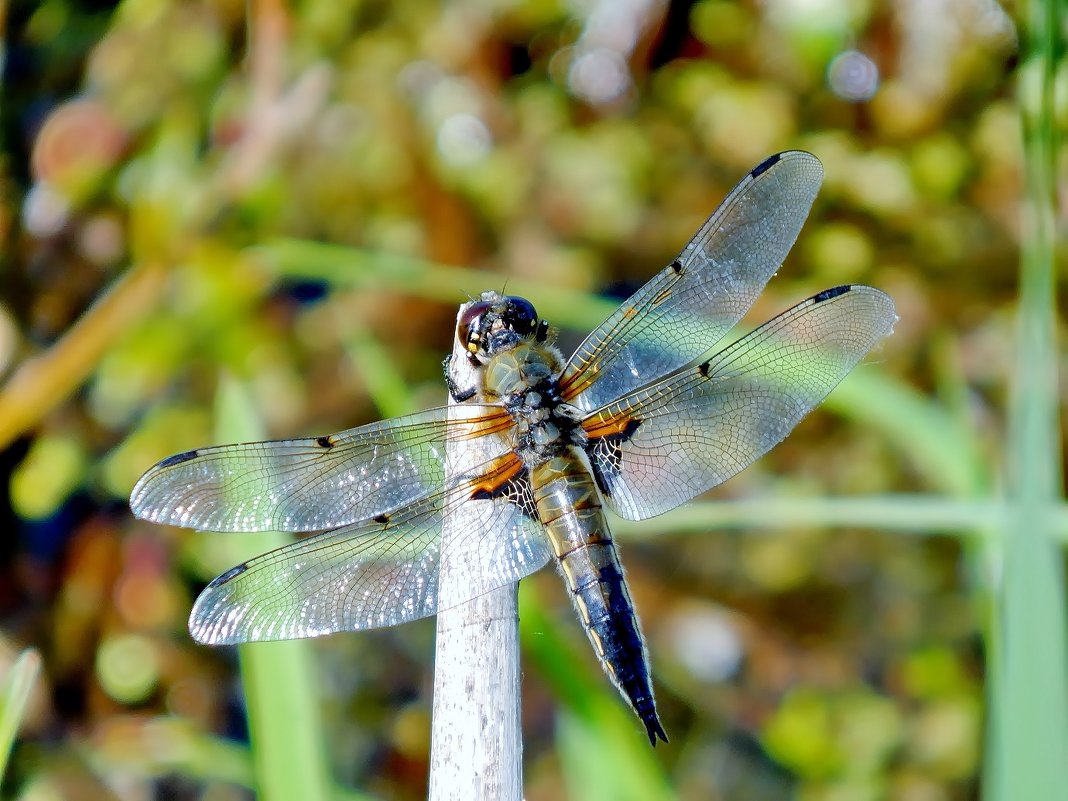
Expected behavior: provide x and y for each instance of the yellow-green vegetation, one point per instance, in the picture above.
(225, 221)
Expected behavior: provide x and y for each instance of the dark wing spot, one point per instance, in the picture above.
(605, 470)
(178, 458)
(628, 430)
(507, 477)
(516, 488)
(383, 519)
(833, 292)
(765, 165)
(324, 442)
(606, 455)
(488, 492)
(229, 575)
(704, 367)
(677, 266)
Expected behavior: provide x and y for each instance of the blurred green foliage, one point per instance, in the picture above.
(284, 203)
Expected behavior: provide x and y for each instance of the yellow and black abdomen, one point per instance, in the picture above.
(570, 509)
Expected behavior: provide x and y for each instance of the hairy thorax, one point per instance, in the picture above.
(523, 379)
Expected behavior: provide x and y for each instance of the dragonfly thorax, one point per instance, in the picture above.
(527, 369)
(523, 379)
(518, 368)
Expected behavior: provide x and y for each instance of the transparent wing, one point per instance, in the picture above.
(377, 572)
(664, 444)
(688, 307)
(311, 484)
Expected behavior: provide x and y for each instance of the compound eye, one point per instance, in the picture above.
(469, 320)
(521, 316)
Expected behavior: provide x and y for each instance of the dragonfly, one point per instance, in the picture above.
(649, 412)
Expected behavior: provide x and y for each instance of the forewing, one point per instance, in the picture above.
(377, 572)
(664, 444)
(311, 484)
(691, 304)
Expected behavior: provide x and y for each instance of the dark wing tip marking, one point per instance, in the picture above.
(178, 458)
(229, 575)
(833, 292)
(704, 367)
(765, 165)
(677, 266)
(325, 442)
(383, 519)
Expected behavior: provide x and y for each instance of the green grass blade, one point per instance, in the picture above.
(920, 515)
(1028, 748)
(15, 692)
(167, 745)
(379, 374)
(350, 267)
(937, 444)
(289, 753)
(164, 745)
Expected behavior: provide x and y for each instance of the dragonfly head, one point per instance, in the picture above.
(497, 322)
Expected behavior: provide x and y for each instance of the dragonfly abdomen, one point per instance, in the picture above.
(570, 509)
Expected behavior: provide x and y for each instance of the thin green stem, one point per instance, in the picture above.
(288, 748)
(369, 270)
(1028, 748)
(14, 696)
(906, 514)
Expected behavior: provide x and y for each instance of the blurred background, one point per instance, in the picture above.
(225, 220)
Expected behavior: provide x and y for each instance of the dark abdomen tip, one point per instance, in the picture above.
(653, 728)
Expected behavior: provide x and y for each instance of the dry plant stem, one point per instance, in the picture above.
(43, 382)
(476, 750)
(277, 113)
